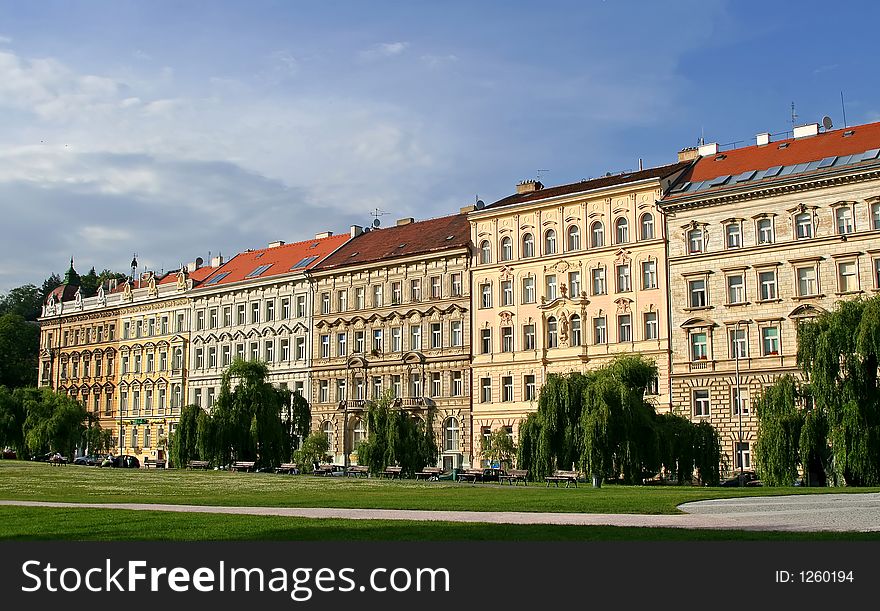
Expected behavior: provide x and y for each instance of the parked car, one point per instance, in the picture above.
(746, 478)
(51, 457)
(89, 460)
(125, 461)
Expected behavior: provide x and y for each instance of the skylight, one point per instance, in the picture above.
(216, 279)
(303, 262)
(259, 271)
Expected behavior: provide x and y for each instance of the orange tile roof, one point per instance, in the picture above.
(788, 152)
(280, 260)
(423, 237)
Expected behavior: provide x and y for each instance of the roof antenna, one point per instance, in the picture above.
(843, 107)
(538, 174)
(794, 115)
(376, 222)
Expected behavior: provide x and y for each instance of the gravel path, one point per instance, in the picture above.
(826, 512)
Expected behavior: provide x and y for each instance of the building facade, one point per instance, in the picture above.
(563, 280)
(392, 311)
(761, 238)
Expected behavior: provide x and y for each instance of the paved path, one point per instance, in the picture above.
(826, 512)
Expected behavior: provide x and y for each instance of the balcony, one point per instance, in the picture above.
(702, 365)
(353, 404)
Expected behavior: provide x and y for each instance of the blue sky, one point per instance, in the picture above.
(176, 129)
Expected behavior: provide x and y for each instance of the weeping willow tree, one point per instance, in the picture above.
(707, 453)
(395, 437)
(780, 423)
(838, 351)
(675, 444)
(184, 442)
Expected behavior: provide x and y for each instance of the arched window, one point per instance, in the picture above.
(575, 322)
(506, 249)
(574, 238)
(450, 435)
(327, 429)
(528, 245)
(358, 432)
(647, 224)
(485, 252)
(621, 230)
(597, 235)
(550, 242)
(552, 333)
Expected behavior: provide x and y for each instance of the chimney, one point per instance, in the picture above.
(686, 154)
(466, 209)
(763, 139)
(528, 186)
(274, 244)
(355, 231)
(810, 129)
(708, 149)
(323, 234)
(406, 221)
(218, 260)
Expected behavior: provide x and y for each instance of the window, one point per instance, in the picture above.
(574, 284)
(341, 344)
(804, 225)
(550, 242)
(765, 231)
(807, 283)
(528, 245)
(770, 341)
(325, 346)
(212, 357)
(624, 283)
(485, 341)
(506, 249)
(324, 391)
(377, 387)
(529, 390)
(415, 337)
(255, 312)
(360, 341)
(486, 295)
(285, 308)
(270, 351)
(699, 346)
(456, 285)
(200, 360)
(844, 218)
(550, 286)
(285, 351)
(574, 238)
(621, 230)
(396, 293)
(507, 388)
(767, 282)
(597, 235)
(507, 292)
(241, 314)
(736, 289)
(270, 310)
(436, 335)
(647, 225)
(450, 435)
(456, 338)
(506, 339)
(598, 281)
(415, 385)
(695, 241)
(875, 216)
(359, 432)
(415, 289)
(653, 387)
(457, 384)
(739, 400)
(529, 337)
(435, 384)
(624, 328)
(327, 429)
(743, 455)
(575, 323)
(528, 292)
(600, 335)
(340, 389)
(377, 295)
(300, 348)
(485, 252)
(396, 339)
(200, 321)
(649, 274)
(847, 278)
(651, 325)
(552, 333)
(359, 298)
(739, 346)
(697, 293)
(435, 287)
(485, 390)
(733, 235)
(341, 301)
(377, 340)
(701, 403)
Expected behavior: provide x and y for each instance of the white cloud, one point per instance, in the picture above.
(5, 40)
(384, 49)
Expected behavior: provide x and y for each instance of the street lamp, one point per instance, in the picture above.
(343, 406)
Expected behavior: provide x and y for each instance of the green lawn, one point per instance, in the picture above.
(21, 480)
(28, 523)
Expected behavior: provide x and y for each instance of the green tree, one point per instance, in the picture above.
(314, 449)
(98, 440)
(499, 447)
(54, 421)
(184, 442)
(780, 422)
(12, 418)
(675, 442)
(26, 301)
(89, 283)
(49, 285)
(19, 351)
(707, 453)
(396, 437)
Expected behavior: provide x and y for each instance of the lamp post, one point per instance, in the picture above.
(343, 406)
(739, 452)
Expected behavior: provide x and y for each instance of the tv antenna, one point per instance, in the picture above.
(826, 123)
(376, 214)
(794, 115)
(538, 174)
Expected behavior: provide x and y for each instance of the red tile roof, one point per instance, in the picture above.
(423, 237)
(280, 259)
(592, 184)
(789, 152)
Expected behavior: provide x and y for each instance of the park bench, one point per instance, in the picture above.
(243, 465)
(470, 475)
(392, 472)
(324, 470)
(150, 463)
(568, 477)
(288, 467)
(358, 471)
(429, 473)
(197, 464)
(514, 476)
